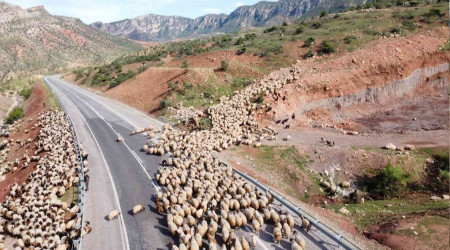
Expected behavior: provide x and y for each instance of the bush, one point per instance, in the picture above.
(284, 24)
(164, 103)
(299, 30)
(268, 30)
(15, 114)
(316, 25)
(309, 41)
(323, 13)
(389, 182)
(250, 36)
(349, 39)
(239, 41)
(185, 64)
(308, 54)
(241, 51)
(26, 93)
(122, 78)
(326, 47)
(224, 65)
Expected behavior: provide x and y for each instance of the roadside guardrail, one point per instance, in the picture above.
(328, 231)
(77, 243)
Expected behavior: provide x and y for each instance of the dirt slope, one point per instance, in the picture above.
(146, 89)
(374, 65)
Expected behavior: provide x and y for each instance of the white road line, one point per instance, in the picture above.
(125, 119)
(81, 90)
(126, 145)
(124, 229)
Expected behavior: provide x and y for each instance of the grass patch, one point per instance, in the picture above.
(26, 93)
(51, 100)
(71, 194)
(372, 213)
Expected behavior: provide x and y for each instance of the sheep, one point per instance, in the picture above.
(305, 224)
(277, 236)
(119, 139)
(137, 209)
(299, 240)
(113, 215)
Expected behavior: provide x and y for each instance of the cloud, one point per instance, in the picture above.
(211, 10)
(239, 4)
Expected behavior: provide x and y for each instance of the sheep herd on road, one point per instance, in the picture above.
(202, 195)
(33, 212)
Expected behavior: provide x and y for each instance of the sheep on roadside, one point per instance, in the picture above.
(137, 209)
(113, 215)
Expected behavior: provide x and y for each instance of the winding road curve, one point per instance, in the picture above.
(121, 176)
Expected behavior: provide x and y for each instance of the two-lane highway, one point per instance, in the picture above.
(121, 176)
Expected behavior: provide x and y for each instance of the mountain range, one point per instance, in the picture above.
(32, 40)
(153, 27)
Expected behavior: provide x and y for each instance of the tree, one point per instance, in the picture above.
(323, 13)
(224, 65)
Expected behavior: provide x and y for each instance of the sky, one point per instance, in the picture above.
(90, 11)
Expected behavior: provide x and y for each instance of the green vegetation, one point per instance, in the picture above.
(202, 95)
(300, 29)
(224, 65)
(71, 194)
(309, 41)
(371, 213)
(308, 54)
(15, 114)
(51, 100)
(122, 77)
(185, 64)
(268, 30)
(25, 93)
(326, 47)
(323, 13)
(388, 183)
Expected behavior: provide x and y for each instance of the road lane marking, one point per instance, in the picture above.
(126, 145)
(124, 229)
(87, 93)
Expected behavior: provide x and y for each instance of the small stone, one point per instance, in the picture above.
(409, 147)
(415, 233)
(446, 197)
(388, 205)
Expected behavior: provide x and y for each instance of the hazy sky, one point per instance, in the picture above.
(113, 10)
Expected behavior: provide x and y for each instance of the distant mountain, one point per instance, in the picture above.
(32, 40)
(159, 28)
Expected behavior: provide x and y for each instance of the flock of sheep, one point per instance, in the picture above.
(33, 212)
(202, 197)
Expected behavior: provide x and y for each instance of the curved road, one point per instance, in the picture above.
(121, 176)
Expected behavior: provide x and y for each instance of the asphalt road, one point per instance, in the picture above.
(121, 176)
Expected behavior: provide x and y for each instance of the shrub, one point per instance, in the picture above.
(434, 12)
(185, 64)
(164, 103)
(250, 36)
(309, 41)
(308, 54)
(224, 65)
(323, 13)
(299, 29)
(268, 30)
(326, 47)
(239, 41)
(284, 24)
(122, 78)
(395, 30)
(316, 25)
(349, 39)
(413, 3)
(26, 93)
(241, 51)
(389, 182)
(15, 114)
